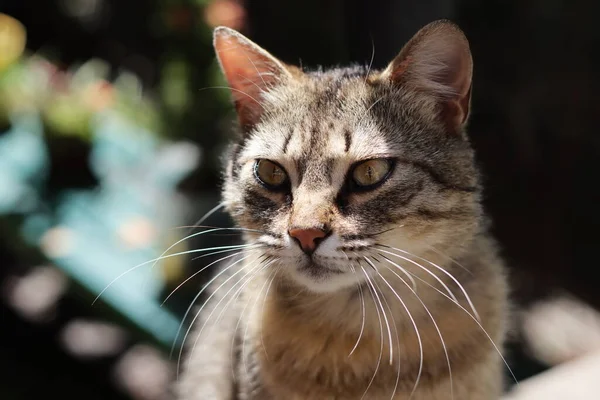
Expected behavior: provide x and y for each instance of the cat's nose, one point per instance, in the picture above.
(308, 239)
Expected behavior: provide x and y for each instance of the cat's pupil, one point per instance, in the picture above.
(370, 174)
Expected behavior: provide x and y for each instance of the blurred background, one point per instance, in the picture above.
(113, 121)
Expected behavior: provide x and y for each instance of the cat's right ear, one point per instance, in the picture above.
(250, 71)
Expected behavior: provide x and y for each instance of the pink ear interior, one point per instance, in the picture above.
(249, 70)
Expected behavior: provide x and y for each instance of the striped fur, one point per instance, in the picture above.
(293, 339)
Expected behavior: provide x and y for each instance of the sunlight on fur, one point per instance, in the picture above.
(367, 270)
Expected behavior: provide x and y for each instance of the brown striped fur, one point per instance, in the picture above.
(290, 332)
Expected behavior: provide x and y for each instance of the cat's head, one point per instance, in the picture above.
(334, 168)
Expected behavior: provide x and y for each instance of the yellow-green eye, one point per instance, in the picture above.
(270, 174)
(371, 172)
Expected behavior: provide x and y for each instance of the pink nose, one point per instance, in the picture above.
(307, 238)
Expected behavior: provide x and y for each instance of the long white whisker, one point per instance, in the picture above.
(436, 328)
(371, 62)
(234, 228)
(397, 341)
(181, 253)
(369, 109)
(445, 272)
(198, 272)
(208, 214)
(206, 302)
(246, 329)
(416, 332)
(478, 324)
(229, 302)
(237, 325)
(190, 236)
(225, 251)
(252, 272)
(452, 297)
(405, 272)
(232, 299)
(371, 290)
(362, 326)
(259, 74)
(383, 312)
(224, 270)
(450, 258)
(437, 278)
(362, 303)
(262, 342)
(395, 328)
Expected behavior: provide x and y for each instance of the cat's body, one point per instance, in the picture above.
(360, 198)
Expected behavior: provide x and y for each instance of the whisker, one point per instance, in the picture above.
(242, 313)
(380, 332)
(405, 272)
(369, 109)
(383, 311)
(246, 329)
(198, 272)
(231, 228)
(362, 326)
(202, 307)
(262, 342)
(206, 216)
(478, 324)
(362, 302)
(372, 58)
(253, 272)
(441, 269)
(188, 237)
(436, 328)
(416, 332)
(259, 74)
(237, 325)
(371, 235)
(450, 258)
(437, 278)
(397, 341)
(209, 213)
(249, 246)
(252, 82)
(232, 299)
(162, 258)
(214, 278)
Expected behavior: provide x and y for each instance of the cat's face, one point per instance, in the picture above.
(336, 168)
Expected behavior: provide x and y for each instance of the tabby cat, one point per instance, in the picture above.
(368, 271)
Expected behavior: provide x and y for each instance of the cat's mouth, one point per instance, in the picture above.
(316, 269)
(323, 275)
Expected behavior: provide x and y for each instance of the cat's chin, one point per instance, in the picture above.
(322, 279)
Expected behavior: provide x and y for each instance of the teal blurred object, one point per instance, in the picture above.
(23, 163)
(138, 175)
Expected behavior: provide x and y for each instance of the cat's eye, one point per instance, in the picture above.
(371, 173)
(270, 174)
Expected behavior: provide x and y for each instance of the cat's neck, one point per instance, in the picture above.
(327, 342)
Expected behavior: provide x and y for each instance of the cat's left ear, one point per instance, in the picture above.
(437, 60)
(250, 71)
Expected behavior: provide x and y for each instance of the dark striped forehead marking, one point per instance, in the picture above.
(332, 81)
(347, 139)
(287, 139)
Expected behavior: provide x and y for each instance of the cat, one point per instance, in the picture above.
(368, 271)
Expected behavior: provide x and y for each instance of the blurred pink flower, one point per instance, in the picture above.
(228, 13)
